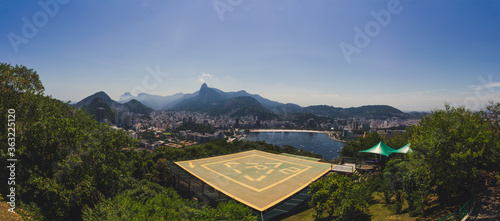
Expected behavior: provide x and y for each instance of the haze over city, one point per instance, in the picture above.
(413, 55)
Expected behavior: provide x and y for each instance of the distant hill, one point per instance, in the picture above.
(168, 102)
(327, 111)
(136, 106)
(245, 105)
(154, 101)
(213, 102)
(290, 108)
(91, 108)
(101, 95)
(268, 104)
(101, 99)
(207, 100)
(374, 111)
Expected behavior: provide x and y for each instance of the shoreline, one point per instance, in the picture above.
(329, 133)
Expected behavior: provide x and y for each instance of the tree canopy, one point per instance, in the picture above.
(339, 197)
(454, 144)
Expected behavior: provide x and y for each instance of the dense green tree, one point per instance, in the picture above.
(19, 79)
(144, 200)
(450, 147)
(492, 115)
(195, 127)
(161, 172)
(231, 210)
(394, 173)
(339, 197)
(398, 140)
(415, 193)
(65, 159)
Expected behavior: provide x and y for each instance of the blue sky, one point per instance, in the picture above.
(425, 54)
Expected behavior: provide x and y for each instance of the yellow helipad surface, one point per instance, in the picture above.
(255, 178)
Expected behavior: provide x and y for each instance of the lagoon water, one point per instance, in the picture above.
(318, 143)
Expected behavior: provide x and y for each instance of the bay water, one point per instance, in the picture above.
(318, 143)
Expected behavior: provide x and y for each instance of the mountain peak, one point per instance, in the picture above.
(204, 89)
(101, 95)
(204, 86)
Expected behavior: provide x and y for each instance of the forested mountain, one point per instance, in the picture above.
(212, 101)
(101, 95)
(169, 101)
(135, 106)
(243, 106)
(92, 107)
(374, 111)
(101, 99)
(368, 111)
(215, 101)
(154, 101)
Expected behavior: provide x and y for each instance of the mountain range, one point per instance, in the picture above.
(102, 100)
(215, 102)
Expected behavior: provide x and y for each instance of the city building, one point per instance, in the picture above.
(100, 114)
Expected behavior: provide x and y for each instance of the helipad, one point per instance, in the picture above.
(255, 178)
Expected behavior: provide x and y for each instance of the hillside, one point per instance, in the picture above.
(243, 106)
(210, 101)
(326, 111)
(101, 95)
(214, 101)
(101, 99)
(91, 108)
(374, 111)
(135, 106)
(179, 99)
(154, 101)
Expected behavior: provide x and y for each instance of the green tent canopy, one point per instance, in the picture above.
(381, 148)
(405, 149)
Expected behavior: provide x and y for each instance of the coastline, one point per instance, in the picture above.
(329, 133)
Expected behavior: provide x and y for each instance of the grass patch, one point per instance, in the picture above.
(377, 210)
(306, 215)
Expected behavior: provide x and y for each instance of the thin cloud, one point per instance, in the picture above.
(425, 92)
(486, 86)
(204, 76)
